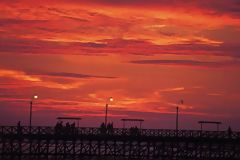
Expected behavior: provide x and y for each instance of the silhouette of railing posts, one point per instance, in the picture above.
(24, 130)
(120, 142)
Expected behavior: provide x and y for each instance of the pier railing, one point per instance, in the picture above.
(45, 130)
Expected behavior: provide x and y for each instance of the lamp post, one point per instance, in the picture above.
(177, 113)
(106, 111)
(31, 105)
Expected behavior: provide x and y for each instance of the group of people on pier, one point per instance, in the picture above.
(134, 131)
(106, 128)
(109, 129)
(68, 128)
(65, 129)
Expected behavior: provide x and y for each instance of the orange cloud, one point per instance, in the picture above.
(79, 29)
(36, 80)
(18, 75)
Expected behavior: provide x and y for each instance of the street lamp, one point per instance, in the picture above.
(106, 111)
(177, 112)
(31, 105)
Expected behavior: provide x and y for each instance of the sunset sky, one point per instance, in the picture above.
(146, 54)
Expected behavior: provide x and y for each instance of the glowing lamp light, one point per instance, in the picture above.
(35, 97)
(111, 99)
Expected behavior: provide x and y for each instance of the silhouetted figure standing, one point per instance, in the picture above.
(68, 128)
(73, 128)
(110, 128)
(102, 125)
(57, 128)
(19, 123)
(134, 130)
(19, 128)
(103, 128)
(229, 132)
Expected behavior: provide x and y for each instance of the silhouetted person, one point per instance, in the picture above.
(102, 125)
(19, 123)
(134, 130)
(19, 128)
(73, 127)
(68, 128)
(111, 127)
(108, 127)
(229, 132)
(58, 128)
(103, 128)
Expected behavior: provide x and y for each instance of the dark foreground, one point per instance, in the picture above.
(49, 143)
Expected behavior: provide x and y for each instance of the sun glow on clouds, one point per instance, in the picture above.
(37, 80)
(18, 75)
(145, 54)
(160, 27)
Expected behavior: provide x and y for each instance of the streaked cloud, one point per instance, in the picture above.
(36, 80)
(193, 63)
(18, 75)
(67, 75)
(72, 27)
